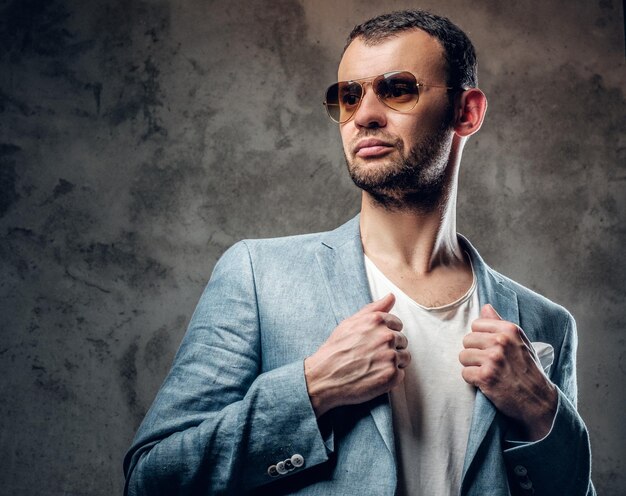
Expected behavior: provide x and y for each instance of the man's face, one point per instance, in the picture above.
(400, 158)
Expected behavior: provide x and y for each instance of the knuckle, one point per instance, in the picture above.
(488, 376)
(389, 337)
(389, 356)
(511, 329)
(503, 340)
(376, 318)
(388, 373)
(496, 356)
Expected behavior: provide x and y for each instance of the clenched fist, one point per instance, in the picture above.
(499, 360)
(363, 357)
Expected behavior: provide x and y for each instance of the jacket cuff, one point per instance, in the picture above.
(559, 463)
(302, 441)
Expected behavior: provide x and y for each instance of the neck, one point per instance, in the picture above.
(421, 240)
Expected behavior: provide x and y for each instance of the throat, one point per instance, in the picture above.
(442, 286)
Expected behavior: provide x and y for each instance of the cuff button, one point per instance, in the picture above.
(297, 460)
(280, 468)
(272, 472)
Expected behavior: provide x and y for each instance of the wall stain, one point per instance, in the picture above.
(60, 69)
(139, 92)
(9, 102)
(37, 29)
(137, 271)
(101, 349)
(51, 384)
(157, 351)
(8, 177)
(62, 188)
(70, 366)
(96, 88)
(56, 387)
(34, 27)
(127, 369)
(155, 190)
(83, 280)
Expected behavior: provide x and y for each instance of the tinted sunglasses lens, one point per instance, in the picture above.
(332, 102)
(342, 100)
(398, 90)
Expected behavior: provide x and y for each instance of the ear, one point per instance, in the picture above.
(470, 112)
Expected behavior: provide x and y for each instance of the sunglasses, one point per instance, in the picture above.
(398, 90)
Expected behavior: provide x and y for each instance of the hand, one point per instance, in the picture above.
(363, 357)
(499, 360)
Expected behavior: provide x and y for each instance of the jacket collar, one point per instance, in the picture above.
(341, 261)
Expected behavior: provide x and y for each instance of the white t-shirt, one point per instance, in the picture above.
(432, 408)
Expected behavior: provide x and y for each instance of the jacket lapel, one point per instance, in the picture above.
(504, 300)
(340, 258)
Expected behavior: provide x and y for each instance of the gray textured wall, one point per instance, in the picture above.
(139, 139)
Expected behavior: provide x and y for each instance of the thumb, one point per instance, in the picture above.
(383, 305)
(488, 312)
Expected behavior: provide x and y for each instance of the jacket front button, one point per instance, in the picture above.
(526, 484)
(297, 460)
(272, 471)
(280, 468)
(520, 471)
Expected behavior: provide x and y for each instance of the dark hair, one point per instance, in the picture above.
(459, 51)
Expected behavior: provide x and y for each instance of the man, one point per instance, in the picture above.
(290, 379)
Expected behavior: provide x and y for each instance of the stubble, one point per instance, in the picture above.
(415, 181)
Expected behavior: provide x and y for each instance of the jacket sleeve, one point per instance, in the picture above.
(217, 424)
(560, 463)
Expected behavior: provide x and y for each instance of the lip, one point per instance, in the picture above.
(372, 147)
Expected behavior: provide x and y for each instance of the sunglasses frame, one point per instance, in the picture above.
(371, 79)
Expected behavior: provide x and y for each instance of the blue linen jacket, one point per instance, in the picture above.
(235, 401)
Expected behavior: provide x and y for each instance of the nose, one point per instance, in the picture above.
(371, 112)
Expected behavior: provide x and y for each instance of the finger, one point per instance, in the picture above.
(401, 342)
(403, 358)
(472, 358)
(479, 340)
(383, 305)
(494, 326)
(471, 375)
(392, 322)
(399, 378)
(488, 312)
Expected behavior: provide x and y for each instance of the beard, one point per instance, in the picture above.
(416, 181)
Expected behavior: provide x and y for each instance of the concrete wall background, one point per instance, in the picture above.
(139, 139)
